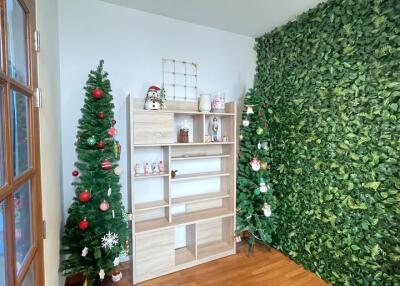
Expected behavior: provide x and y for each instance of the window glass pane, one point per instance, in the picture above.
(2, 246)
(16, 41)
(20, 132)
(2, 158)
(28, 281)
(23, 229)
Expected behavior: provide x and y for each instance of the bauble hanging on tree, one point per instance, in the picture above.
(259, 131)
(100, 145)
(118, 171)
(112, 131)
(106, 165)
(97, 93)
(255, 164)
(84, 196)
(75, 173)
(101, 115)
(264, 166)
(104, 206)
(91, 141)
(84, 224)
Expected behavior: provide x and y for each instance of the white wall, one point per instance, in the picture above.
(132, 43)
(50, 140)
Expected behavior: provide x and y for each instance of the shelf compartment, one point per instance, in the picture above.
(183, 255)
(200, 198)
(151, 205)
(203, 175)
(213, 248)
(199, 157)
(153, 224)
(186, 218)
(138, 177)
(187, 252)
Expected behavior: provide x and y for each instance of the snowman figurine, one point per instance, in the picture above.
(255, 164)
(147, 169)
(267, 210)
(263, 187)
(154, 98)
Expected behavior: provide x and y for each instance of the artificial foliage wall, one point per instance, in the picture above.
(332, 81)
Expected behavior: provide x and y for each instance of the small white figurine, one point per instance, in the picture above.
(154, 168)
(161, 166)
(147, 169)
(139, 169)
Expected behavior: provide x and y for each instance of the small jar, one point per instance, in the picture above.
(204, 103)
(218, 102)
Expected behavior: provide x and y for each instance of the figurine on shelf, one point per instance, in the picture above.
(155, 98)
(139, 169)
(213, 129)
(154, 168)
(147, 169)
(161, 167)
(173, 173)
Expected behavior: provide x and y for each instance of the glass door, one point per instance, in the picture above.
(20, 199)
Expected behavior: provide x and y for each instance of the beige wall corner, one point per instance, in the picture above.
(50, 137)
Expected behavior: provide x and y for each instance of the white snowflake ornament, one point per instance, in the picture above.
(109, 240)
(85, 251)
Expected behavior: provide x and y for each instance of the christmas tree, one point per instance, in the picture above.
(96, 231)
(255, 199)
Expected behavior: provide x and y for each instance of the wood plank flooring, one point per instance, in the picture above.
(264, 268)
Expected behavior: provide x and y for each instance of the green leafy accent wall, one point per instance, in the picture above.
(332, 81)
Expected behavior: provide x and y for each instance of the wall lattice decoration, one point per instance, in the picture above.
(179, 79)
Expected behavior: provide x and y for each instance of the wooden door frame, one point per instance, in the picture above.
(35, 254)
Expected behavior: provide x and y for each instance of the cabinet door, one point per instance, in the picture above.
(153, 127)
(155, 253)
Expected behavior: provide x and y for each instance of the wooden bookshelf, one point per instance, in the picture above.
(162, 205)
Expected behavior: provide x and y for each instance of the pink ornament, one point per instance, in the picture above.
(104, 206)
(112, 131)
(106, 165)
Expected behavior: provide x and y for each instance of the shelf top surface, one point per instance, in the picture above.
(182, 219)
(188, 112)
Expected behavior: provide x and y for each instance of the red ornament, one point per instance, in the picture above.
(102, 115)
(75, 173)
(104, 206)
(106, 165)
(100, 145)
(97, 93)
(84, 196)
(112, 131)
(84, 224)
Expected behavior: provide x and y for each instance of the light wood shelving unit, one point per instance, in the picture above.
(187, 220)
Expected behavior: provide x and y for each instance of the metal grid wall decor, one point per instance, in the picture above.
(179, 80)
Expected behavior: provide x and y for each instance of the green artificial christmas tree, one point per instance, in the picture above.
(96, 231)
(255, 199)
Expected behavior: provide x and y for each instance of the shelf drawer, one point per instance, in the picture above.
(155, 252)
(153, 127)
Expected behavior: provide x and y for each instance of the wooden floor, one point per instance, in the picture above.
(265, 267)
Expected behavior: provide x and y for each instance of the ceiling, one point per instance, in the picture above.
(246, 17)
